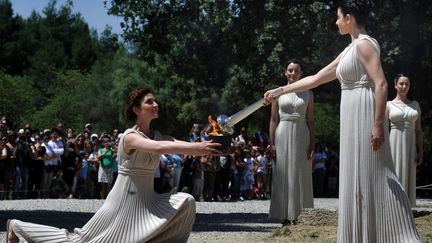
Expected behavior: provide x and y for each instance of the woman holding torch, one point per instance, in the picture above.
(373, 206)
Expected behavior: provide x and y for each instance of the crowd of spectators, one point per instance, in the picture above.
(56, 163)
(59, 163)
(245, 172)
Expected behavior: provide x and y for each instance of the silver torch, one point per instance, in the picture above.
(227, 123)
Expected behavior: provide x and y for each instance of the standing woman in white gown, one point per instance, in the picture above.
(292, 135)
(132, 212)
(405, 136)
(373, 206)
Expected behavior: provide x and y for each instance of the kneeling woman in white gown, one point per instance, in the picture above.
(132, 212)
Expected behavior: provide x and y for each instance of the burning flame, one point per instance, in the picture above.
(216, 127)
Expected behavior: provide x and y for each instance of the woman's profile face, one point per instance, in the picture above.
(402, 85)
(293, 72)
(149, 108)
(341, 22)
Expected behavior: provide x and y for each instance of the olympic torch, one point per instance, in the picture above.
(227, 123)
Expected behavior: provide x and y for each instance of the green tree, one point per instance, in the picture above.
(17, 97)
(11, 57)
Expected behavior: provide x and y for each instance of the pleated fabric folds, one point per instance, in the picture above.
(292, 172)
(373, 206)
(132, 212)
(403, 144)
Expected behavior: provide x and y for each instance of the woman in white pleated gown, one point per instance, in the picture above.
(373, 206)
(132, 212)
(405, 136)
(292, 135)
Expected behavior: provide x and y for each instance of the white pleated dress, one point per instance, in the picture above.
(292, 171)
(132, 212)
(373, 206)
(403, 144)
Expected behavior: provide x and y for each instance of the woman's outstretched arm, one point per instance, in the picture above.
(134, 141)
(325, 75)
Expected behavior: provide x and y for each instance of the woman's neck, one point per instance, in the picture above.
(357, 32)
(401, 98)
(143, 126)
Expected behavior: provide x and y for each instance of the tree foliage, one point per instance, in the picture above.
(234, 50)
(200, 57)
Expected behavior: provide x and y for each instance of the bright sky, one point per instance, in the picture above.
(93, 12)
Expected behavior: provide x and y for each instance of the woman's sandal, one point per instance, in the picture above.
(9, 238)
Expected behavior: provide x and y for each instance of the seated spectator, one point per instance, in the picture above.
(59, 188)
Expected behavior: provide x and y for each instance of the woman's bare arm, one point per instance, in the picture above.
(419, 137)
(370, 60)
(134, 141)
(274, 120)
(325, 75)
(311, 125)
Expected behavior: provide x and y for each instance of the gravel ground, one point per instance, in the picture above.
(215, 221)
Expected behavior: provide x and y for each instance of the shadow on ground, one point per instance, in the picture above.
(223, 222)
(67, 220)
(232, 222)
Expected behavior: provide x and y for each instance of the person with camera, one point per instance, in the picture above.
(24, 151)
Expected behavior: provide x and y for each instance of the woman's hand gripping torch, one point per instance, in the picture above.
(227, 123)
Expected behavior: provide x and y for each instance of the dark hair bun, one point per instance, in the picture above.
(364, 5)
(360, 9)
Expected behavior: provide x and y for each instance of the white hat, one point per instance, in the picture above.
(46, 131)
(21, 131)
(88, 125)
(94, 135)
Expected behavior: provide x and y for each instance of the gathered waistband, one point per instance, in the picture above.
(292, 118)
(400, 125)
(348, 85)
(136, 171)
